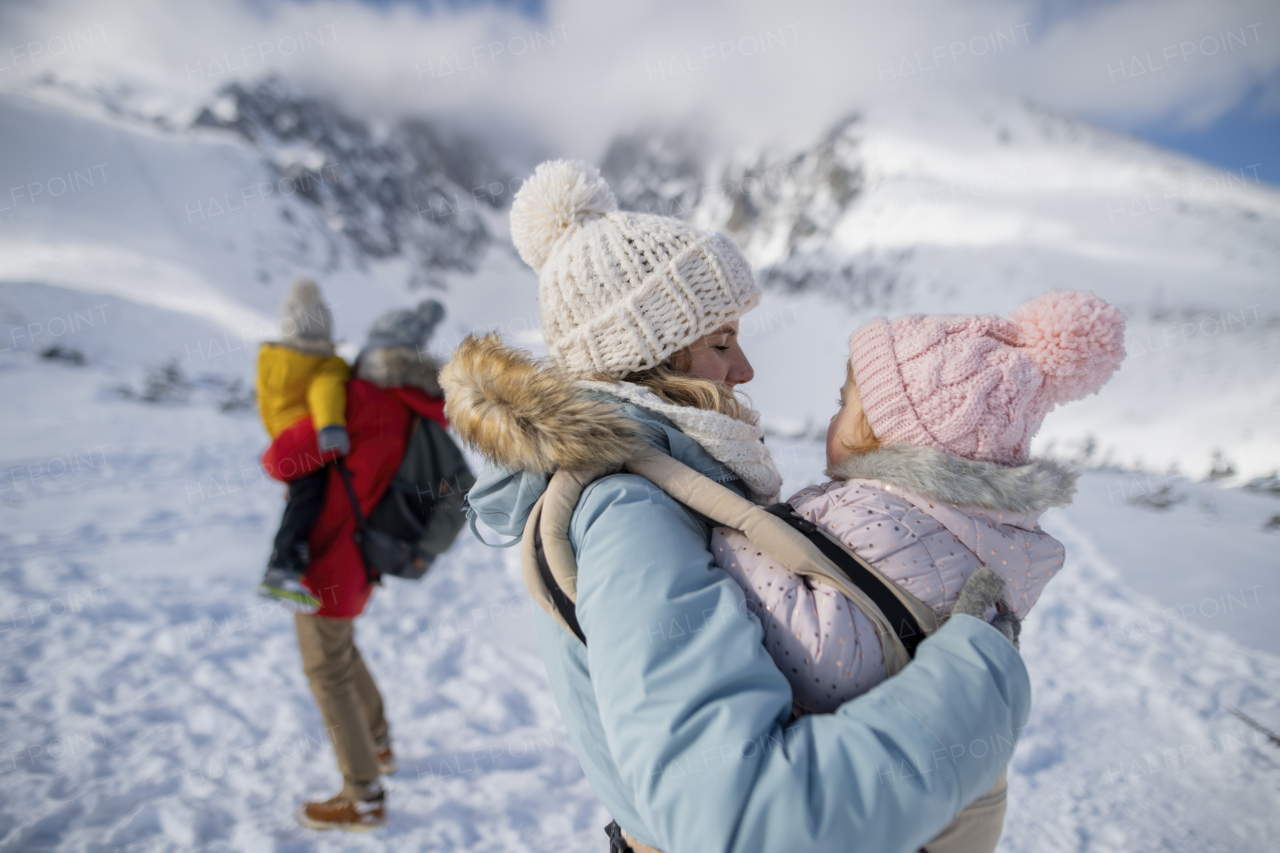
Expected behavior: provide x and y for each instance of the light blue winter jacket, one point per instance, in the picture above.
(682, 721)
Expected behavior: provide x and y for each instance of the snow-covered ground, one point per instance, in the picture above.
(150, 701)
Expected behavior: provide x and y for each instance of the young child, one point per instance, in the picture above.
(931, 479)
(297, 377)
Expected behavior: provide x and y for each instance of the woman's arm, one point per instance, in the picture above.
(696, 714)
(826, 647)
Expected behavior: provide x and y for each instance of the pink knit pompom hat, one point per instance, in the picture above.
(979, 387)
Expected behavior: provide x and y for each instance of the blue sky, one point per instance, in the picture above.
(1241, 142)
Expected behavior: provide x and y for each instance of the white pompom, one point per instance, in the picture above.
(561, 193)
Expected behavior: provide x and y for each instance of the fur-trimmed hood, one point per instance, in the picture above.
(525, 415)
(930, 473)
(399, 367)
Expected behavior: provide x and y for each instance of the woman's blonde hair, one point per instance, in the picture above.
(671, 382)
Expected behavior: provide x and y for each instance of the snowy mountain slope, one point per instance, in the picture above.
(972, 206)
(914, 205)
(158, 204)
(407, 189)
(116, 333)
(210, 224)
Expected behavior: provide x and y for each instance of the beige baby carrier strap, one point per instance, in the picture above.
(551, 570)
(551, 575)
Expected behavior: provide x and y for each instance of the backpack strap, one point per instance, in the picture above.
(861, 575)
(370, 574)
(792, 547)
(563, 604)
(550, 567)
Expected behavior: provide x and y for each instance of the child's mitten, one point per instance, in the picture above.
(1008, 623)
(979, 594)
(333, 439)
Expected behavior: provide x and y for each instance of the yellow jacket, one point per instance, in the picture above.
(292, 385)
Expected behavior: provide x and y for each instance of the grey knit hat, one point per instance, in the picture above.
(305, 321)
(406, 327)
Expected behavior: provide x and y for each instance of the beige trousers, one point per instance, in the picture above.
(349, 701)
(977, 828)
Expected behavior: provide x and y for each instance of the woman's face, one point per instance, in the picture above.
(718, 357)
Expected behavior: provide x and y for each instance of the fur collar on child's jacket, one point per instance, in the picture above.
(930, 473)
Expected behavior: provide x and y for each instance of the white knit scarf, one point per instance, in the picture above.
(738, 445)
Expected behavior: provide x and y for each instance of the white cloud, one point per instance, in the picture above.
(749, 72)
(1150, 60)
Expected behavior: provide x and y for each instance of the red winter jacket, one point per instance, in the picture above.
(378, 422)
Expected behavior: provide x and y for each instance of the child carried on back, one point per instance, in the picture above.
(301, 376)
(931, 477)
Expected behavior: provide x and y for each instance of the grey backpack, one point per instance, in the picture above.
(420, 514)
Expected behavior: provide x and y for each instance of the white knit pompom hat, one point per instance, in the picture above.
(620, 292)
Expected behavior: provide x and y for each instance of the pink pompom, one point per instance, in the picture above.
(1074, 338)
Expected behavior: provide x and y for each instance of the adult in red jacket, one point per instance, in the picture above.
(378, 423)
(392, 385)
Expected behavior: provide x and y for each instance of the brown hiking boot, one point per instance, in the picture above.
(342, 813)
(386, 758)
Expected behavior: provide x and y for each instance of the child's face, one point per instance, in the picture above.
(848, 433)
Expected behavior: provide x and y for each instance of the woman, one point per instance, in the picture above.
(681, 720)
(392, 385)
